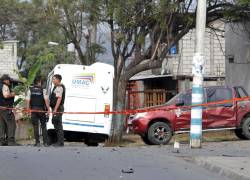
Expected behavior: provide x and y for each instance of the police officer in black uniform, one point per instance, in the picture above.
(7, 118)
(37, 99)
(57, 97)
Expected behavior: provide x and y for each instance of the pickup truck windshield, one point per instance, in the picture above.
(240, 92)
(174, 99)
(184, 97)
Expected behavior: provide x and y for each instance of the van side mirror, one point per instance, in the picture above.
(179, 102)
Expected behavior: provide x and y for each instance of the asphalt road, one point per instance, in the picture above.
(93, 163)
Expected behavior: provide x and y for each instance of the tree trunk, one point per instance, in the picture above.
(80, 54)
(118, 120)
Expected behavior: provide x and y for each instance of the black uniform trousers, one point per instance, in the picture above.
(35, 118)
(7, 127)
(57, 122)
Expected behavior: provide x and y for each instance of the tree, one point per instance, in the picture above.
(239, 13)
(78, 20)
(7, 16)
(30, 26)
(146, 30)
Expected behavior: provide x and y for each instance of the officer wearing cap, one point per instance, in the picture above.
(7, 118)
(37, 99)
(57, 98)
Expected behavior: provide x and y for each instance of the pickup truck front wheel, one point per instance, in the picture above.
(239, 134)
(246, 128)
(159, 133)
(145, 139)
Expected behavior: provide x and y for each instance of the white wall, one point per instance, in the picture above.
(8, 58)
(238, 46)
(214, 52)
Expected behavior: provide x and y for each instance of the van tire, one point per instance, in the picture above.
(239, 134)
(246, 128)
(159, 133)
(90, 142)
(73, 136)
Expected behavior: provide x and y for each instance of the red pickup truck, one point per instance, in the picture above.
(158, 126)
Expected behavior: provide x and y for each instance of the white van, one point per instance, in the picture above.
(88, 89)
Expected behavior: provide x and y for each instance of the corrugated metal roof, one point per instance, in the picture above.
(148, 76)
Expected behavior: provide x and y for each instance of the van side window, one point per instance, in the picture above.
(219, 94)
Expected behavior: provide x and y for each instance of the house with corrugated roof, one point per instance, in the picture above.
(156, 86)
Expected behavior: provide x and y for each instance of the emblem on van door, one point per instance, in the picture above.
(83, 80)
(104, 90)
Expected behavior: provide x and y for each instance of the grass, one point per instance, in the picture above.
(133, 140)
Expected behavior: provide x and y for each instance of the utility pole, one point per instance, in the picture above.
(197, 71)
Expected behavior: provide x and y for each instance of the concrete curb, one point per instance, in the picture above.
(232, 167)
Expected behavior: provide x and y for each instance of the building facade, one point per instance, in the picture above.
(238, 55)
(8, 58)
(176, 72)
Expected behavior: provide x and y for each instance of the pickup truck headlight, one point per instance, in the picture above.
(139, 115)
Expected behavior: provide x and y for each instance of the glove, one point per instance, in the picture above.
(47, 118)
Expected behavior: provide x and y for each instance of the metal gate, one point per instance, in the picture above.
(140, 99)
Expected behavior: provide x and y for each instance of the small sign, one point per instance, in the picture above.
(198, 64)
(178, 112)
(83, 80)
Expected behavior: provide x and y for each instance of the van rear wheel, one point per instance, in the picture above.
(159, 133)
(90, 142)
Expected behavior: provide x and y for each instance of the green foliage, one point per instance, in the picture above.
(30, 131)
(95, 49)
(7, 16)
(33, 72)
(244, 2)
(76, 19)
(18, 101)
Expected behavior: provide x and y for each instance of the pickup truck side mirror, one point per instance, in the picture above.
(228, 105)
(179, 102)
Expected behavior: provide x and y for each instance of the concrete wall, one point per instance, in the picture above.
(238, 47)
(24, 130)
(179, 65)
(214, 52)
(8, 58)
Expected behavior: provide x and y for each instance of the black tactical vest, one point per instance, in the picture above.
(53, 98)
(36, 97)
(5, 102)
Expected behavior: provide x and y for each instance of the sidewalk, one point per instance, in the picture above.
(237, 168)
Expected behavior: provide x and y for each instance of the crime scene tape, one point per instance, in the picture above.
(133, 111)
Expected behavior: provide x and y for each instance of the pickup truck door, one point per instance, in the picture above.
(242, 106)
(184, 114)
(219, 115)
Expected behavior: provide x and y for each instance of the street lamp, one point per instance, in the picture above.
(53, 43)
